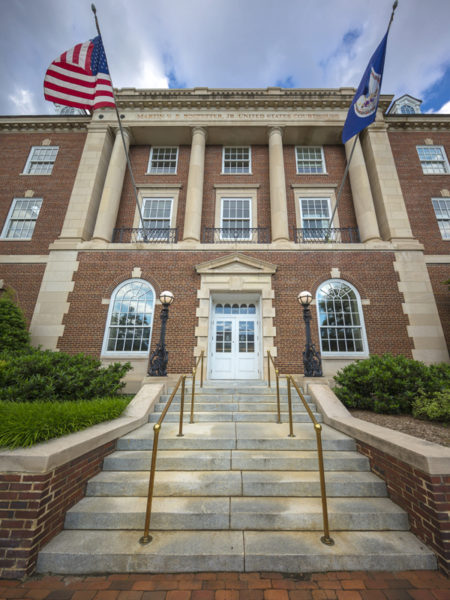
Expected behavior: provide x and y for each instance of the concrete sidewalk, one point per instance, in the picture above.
(344, 585)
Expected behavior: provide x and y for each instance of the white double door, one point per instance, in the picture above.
(234, 340)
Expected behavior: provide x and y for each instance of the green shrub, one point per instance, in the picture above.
(57, 376)
(14, 336)
(433, 408)
(389, 384)
(26, 423)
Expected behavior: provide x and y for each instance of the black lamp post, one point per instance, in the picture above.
(311, 358)
(159, 358)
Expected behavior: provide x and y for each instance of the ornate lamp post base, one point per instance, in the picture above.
(158, 362)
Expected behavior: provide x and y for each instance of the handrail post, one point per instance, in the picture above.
(325, 539)
(146, 538)
(201, 372)
(268, 367)
(291, 427)
(278, 395)
(180, 431)
(191, 420)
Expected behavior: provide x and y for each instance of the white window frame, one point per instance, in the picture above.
(340, 353)
(123, 353)
(151, 199)
(249, 148)
(5, 231)
(444, 230)
(164, 172)
(31, 160)
(222, 201)
(444, 160)
(324, 167)
(303, 220)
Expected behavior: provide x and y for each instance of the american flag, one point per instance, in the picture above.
(80, 77)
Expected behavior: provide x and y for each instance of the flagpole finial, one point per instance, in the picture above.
(94, 10)
(394, 6)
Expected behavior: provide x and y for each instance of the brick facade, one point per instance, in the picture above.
(335, 165)
(418, 189)
(54, 189)
(25, 280)
(426, 499)
(139, 156)
(99, 273)
(33, 508)
(438, 274)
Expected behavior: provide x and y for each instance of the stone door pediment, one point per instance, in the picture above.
(236, 263)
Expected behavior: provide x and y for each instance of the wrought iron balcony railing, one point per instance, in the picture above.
(127, 235)
(325, 235)
(222, 235)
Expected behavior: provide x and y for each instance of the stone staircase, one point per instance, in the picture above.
(235, 493)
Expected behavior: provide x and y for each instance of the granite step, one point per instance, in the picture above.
(241, 460)
(87, 552)
(251, 417)
(236, 483)
(249, 513)
(228, 436)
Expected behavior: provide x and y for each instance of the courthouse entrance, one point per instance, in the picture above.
(235, 338)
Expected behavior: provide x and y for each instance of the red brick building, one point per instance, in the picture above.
(235, 188)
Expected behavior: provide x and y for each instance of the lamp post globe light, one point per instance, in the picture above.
(160, 356)
(312, 362)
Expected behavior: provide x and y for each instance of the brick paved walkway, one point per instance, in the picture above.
(407, 585)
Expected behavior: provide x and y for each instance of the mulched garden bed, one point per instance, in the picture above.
(426, 430)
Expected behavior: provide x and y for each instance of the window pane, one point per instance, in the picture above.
(236, 222)
(339, 318)
(41, 160)
(131, 317)
(433, 159)
(236, 160)
(163, 160)
(442, 211)
(310, 159)
(22, 219)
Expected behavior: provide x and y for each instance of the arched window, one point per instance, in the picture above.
(130, 318)
(341, 320)
(407, 109)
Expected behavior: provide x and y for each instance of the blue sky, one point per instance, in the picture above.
(229, 43)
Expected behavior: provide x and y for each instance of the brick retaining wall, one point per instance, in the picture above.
(33, 507)
(425, 497)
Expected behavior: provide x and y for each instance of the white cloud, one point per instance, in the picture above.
(149, 74)
(230, 43)
(445, 110)
(23, 102)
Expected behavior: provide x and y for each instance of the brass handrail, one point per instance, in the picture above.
(146, 538)
(194, 371)
(269, 360)
(326, 539)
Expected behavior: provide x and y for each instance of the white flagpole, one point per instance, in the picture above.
(94, 10)
(344, 177)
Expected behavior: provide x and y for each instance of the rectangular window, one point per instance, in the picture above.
(315, 214)
(433, 160)
(22, 218)
(442, 210)
(236, 160)
(157, 215)
(41, 160)
(236, 219)
(163, 160)
(310, 159)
